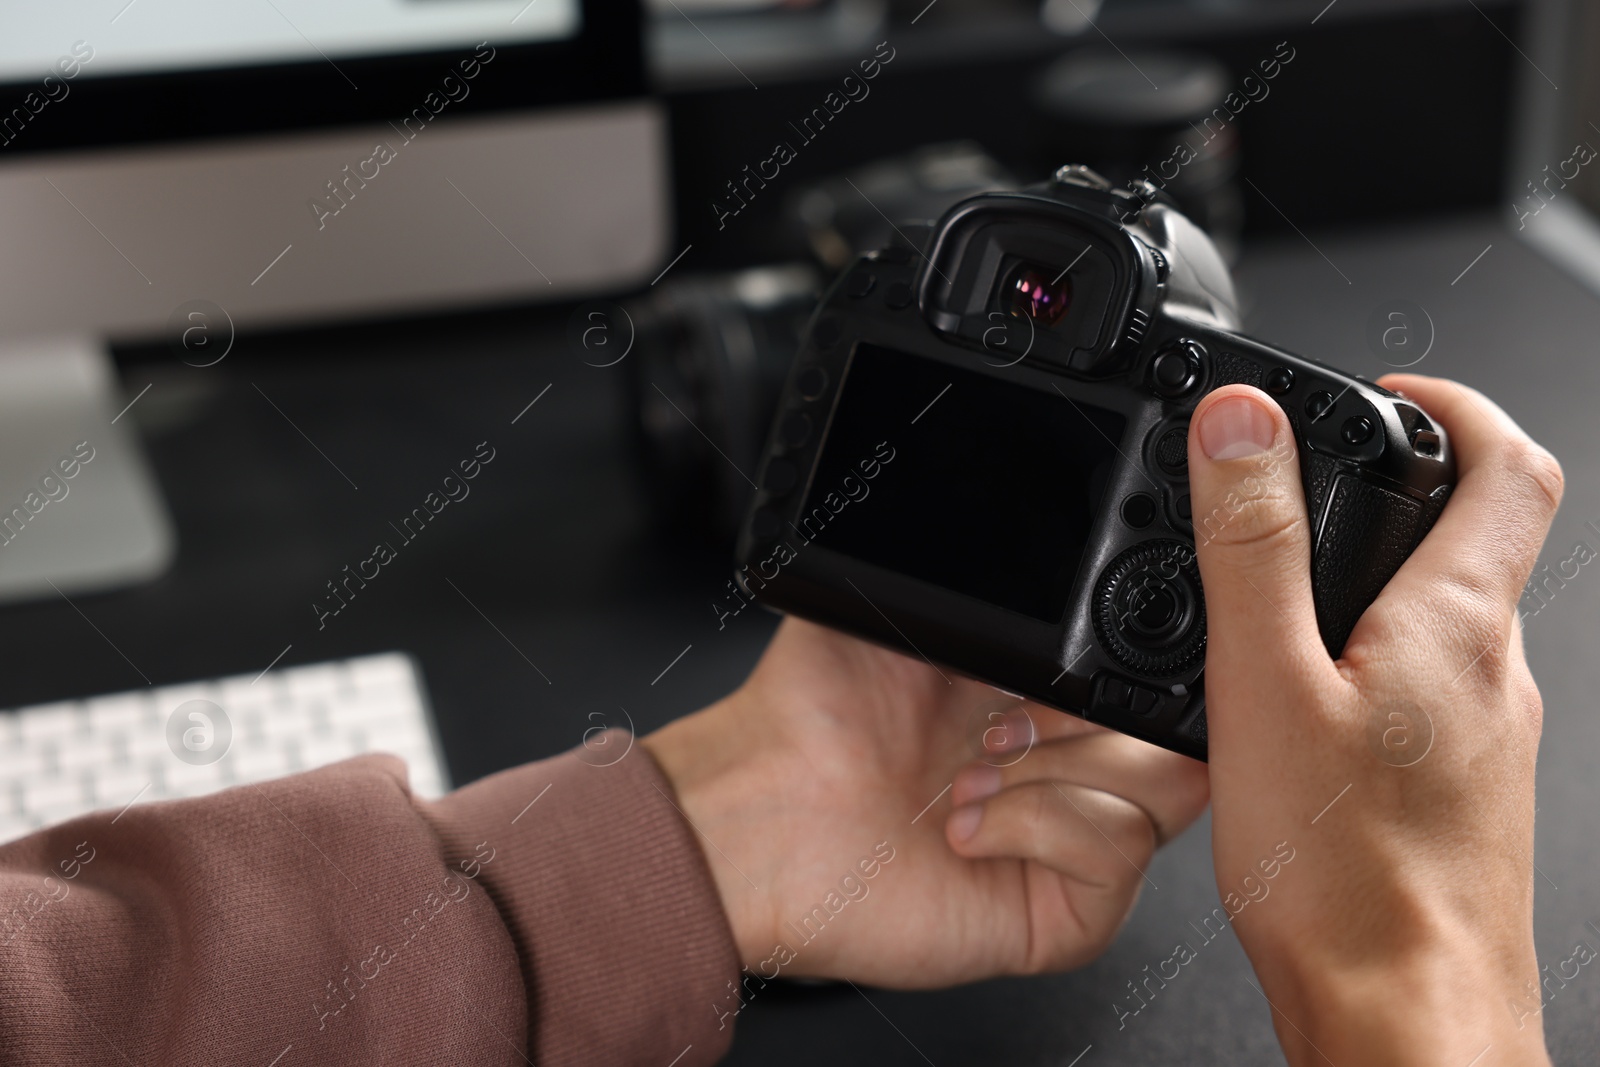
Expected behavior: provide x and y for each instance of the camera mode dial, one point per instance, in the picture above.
(1149, 612)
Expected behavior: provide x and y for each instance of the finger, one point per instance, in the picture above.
(1487, 540)
(1170, 789)
(1089, 836)
(1254, 544)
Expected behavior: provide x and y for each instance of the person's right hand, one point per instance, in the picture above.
(1401, 931)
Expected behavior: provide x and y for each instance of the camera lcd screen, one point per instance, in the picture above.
(962, 480)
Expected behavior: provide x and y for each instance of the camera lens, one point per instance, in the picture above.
(1041, 297)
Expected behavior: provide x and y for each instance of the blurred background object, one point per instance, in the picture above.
(1097, 108)
(713, 352)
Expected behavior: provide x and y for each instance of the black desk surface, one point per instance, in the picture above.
(552, 546)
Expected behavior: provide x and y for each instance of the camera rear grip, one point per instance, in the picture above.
(1366, 516)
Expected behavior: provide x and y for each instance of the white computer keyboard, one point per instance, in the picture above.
(65, 759)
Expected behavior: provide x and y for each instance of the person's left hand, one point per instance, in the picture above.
(835, 748)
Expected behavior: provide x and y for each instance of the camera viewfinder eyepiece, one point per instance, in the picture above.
(1039, 296)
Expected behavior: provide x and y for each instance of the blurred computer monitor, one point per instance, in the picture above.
(189, 169)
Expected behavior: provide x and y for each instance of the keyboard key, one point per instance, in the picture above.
(285, 715)
(388, 671)
(318, 681)
(142, 745)
(50, 816)
(168, 698)
(257, 764)
(321, 751)
(426, 784)
(86, 753)
(115, 788)
(188, 780)
(244, 689)
(14, 826)
(51, 721)
(54, 792)
(17, 762)
(121, 711)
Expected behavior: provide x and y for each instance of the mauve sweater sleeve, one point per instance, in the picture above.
(558, 913)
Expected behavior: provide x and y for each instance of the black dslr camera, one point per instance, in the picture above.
(980, 457)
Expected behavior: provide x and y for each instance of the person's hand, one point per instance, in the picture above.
(818, 791)
(1400, 777)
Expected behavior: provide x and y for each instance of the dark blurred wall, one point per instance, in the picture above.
(1375, 120)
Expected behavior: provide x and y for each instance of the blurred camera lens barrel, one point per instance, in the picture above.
(711, 358)
(1099, 108)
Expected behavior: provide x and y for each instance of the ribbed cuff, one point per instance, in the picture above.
(622, 938)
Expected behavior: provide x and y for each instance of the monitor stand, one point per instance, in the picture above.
(79, 509)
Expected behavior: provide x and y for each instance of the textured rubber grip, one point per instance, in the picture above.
(1367, 532)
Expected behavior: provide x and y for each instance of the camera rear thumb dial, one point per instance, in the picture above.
(1149, 612)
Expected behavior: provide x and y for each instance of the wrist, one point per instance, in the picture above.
(706, 759)
(1432, 1007)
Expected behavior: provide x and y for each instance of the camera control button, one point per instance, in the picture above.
(812, 383)
(1176, 369)
(1138, 511)
(898, 295)
(796, 429)
(1280, 380)
(1171, 452)
(1318, 404)
(1116, 693)
(1154, 612)
(1357, 430)
(861, 284)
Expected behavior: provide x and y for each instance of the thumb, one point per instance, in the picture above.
(1252, 538)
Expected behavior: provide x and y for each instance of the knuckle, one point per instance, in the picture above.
(1193, 794)
(1487, 640)
(1467, 621)
(1113, 834)
(1133, 833)
(1468, 596)
(1493, 666)
(1525, 459)
(1265, 524)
